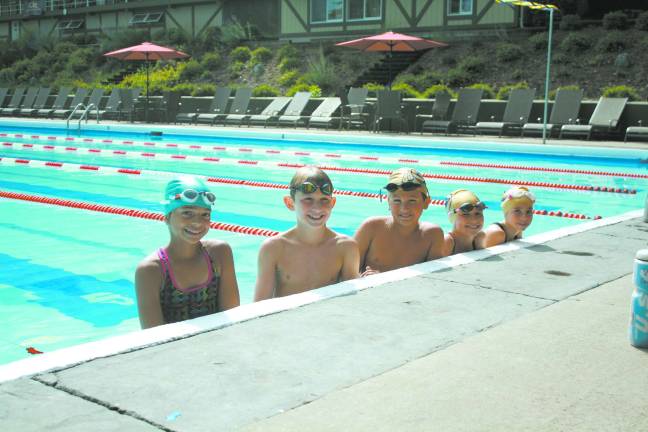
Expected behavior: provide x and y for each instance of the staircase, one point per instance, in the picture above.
(130, 67)
(380, 72)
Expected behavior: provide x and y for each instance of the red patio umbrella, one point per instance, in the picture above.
(146, 51)
(390, 42)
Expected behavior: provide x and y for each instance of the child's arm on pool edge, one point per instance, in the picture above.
(266, 283)
(148, 279)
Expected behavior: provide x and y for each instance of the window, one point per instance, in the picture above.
(323, 11)
(364, 9)
(145, 18)
(460, 7)
(69, 24)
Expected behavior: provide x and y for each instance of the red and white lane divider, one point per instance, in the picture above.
(369, 171)
(224, 180)
(129, 212)
(544, 169)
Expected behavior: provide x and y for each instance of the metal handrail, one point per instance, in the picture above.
(67, 124)
(84, 115)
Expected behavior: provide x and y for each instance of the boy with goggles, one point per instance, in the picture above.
(517, 205)
(466, 213)
(400, 240)
(191, 276)
(310, 255)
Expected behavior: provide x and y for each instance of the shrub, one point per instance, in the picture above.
(504, 91)
(236, 69)
(539, 41)
(241, 54)
(314, 90)
(473, 65)
(289, 63)
(261, 55)
(212, 60)
(203, 90)
(489, 92)
(458, 77)
(432, 91)
(570, 23)
(575, 42)
(322, 72)
(407, 90)
(552, 93)
(507, 52)
(612, 42)
(191, 71)
(265, 90)
(288, 79)
(160, 78)
(616, 20)
(287, 51)
(420, 81)
(373, 87)
(621, 91)
(642, 21)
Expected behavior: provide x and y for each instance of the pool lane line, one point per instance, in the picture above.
(324, 155)
(129, 212)
(238, 182)
(370, 171)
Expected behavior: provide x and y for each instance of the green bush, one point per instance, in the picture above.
(211, 61)
(265, 90)
(203, 90)
(613, 41)
(314, 90)
(473, 65)
(420, 81)
(641, 23)
(287, 51)
(489, 92)
(508, 52)
(539, 41)
(552, 93)
(373, 87)
(432, 91)
(458, 77)
(504, 91)
(192, 71)
(236, 69)
(261, 55)
(570, 23)
(289, 63)
(575, 42)
(621, 91)
(241, 54)
(616, 20)
(323, 73)
(407, 90)
(288, 79)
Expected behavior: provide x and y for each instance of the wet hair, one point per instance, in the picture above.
(309, 174)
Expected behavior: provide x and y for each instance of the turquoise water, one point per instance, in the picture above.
(67, 274)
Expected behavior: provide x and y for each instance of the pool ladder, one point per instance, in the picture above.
(84, 115)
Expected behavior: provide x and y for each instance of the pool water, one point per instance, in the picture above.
(67, 273)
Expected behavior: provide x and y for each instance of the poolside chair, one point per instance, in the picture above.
(59, 103)
(439, 109)
(636, 132)
(112, 108)
(218, 106)
(388, 107)
(324, 113)
(27, 102)
(14, 103)
(92, 106)
(516, 113)
(79, 98)
(239, 105)
(564, 111)
(605, 118)
(269, 113)
(294, 110)
(187, 111)
(128, 98)
(3, 95)
(39, 103)
(464, 114)
(353, 111)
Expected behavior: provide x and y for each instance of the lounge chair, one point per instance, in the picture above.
(353, 111)
(79, 98)
(605, 118)
(39, 103)
(636, 132)
(516, 113)
(294, 110)
(218, 106)
(112, 108)
(27, 102)
(93, 104)
(128, 98)
(439, 109)
(239, 105)
(324, 113)
(59, 103)
(3, 95)
(388, 107)
(269, 114)
(14, 103)
(464, 114)
(565, 111)
(187, 111)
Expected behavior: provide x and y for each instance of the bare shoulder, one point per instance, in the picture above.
(375, 222)
(430, 229)
(217, 247)
(274, 244)
(344, 241)
(149, 264)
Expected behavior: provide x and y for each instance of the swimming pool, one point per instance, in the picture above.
(67, 265)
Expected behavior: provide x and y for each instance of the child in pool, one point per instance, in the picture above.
(309, 255)
(191, 277)
(400, 240)
(466, 212)
(517, 204)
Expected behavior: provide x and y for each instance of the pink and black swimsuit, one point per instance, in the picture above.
(183, 304)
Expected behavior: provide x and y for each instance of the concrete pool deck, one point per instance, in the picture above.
(534, 339)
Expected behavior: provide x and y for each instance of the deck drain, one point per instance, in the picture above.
(578, 253)
(557, 273)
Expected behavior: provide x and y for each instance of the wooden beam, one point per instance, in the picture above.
(299, 18)
(410, 19)
(477, 18)
(209, 21)
(423, 10)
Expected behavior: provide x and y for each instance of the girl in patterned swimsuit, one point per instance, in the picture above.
(517, 204)
(190, 277)
(466, 212)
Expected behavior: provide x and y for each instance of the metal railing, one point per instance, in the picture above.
(38, 7)
(84, 115)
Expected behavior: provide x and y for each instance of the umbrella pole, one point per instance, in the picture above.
(146, 116)
(391, 53)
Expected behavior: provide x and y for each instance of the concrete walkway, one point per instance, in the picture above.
(529, 340)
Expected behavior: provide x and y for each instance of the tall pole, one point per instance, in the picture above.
(146, 117)
(546, 101)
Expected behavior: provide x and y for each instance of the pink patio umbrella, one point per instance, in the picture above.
(146, 51)
(390, 42)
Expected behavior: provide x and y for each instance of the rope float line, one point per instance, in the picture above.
(225, 180)
(345, 169)
(130, 212)
(339, 156)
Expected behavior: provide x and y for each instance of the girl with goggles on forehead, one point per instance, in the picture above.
(517, 205)
(191, 276)
(466, 212)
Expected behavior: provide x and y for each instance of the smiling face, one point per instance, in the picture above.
(469, 223)
(406, 207)
(520, 215)
(189, 223)
(311, 209)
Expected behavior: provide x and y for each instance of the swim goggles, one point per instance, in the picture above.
(190, 196)
(519, 193)
(408, 186)
(466, 208)
(309, 188)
